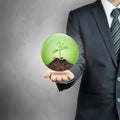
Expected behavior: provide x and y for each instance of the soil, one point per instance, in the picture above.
(59, 65)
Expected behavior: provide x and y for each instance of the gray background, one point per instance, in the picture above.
(24, 93)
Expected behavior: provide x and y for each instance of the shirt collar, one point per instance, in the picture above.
(108, 7)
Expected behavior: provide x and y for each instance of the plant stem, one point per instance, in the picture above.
(59, 54)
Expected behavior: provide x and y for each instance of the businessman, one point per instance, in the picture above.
(96, 29)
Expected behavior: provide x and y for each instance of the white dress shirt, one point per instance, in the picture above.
(108, 7)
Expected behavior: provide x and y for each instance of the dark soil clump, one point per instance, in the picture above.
(59, 65)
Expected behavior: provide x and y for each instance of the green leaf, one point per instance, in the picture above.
(54, 51)
(60, 45)
(65, 47)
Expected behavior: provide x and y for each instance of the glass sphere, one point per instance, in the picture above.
(59, 52)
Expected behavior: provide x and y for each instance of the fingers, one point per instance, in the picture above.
(47, 74)
(59, 77)
(53, 77)
(62, 79)
(71, 76)
(65, 78)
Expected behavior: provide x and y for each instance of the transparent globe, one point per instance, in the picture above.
(59, 52)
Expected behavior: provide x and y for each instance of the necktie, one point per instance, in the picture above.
(115, 30)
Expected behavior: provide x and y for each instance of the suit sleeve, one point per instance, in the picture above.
(73, 30)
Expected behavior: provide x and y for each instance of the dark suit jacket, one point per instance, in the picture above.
(99, 95)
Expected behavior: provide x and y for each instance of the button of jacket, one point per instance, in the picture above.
(118, 79)
(118, 99)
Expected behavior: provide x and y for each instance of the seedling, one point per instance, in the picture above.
(60, 48)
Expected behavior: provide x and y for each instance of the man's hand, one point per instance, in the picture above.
(59, 76)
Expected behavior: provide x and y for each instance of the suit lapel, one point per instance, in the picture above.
(101, 20)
